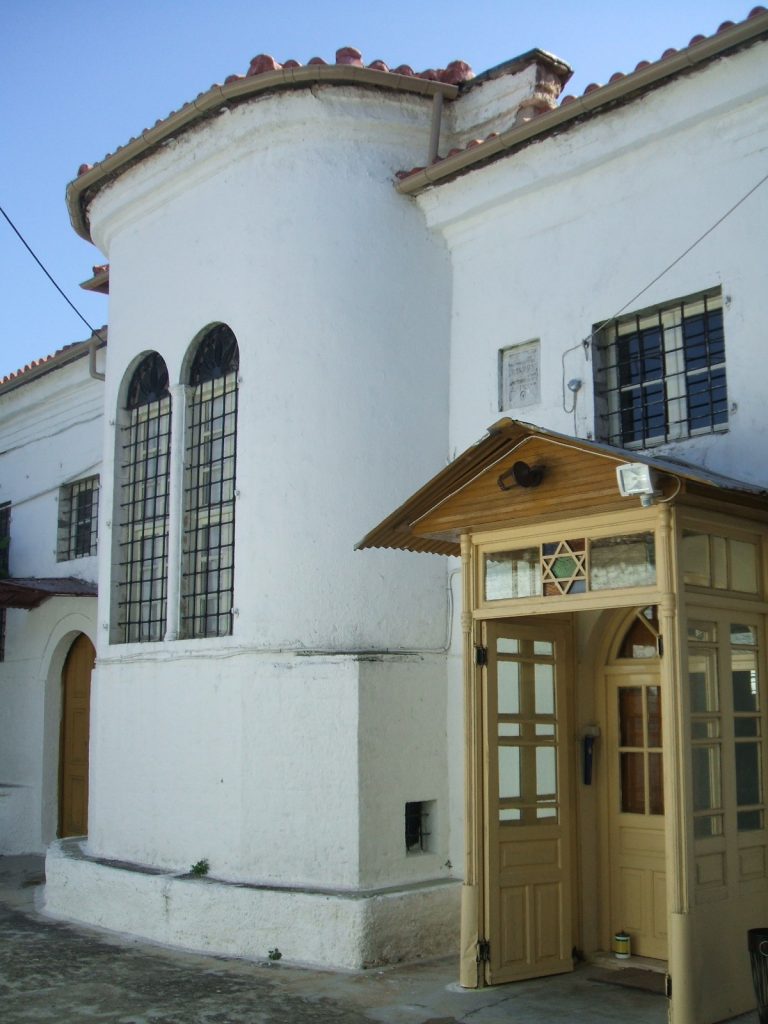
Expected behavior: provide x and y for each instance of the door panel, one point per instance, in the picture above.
(527, 812)
(75, 729)
(636, 809)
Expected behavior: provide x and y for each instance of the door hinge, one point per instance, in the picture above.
(668, 986)
(481, 655)
(483, 951)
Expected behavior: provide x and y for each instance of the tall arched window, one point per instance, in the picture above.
(208, 545)
(145, 464)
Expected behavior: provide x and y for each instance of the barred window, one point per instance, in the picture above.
(145, 465)
(78, 519)
(661, 373)
(208, 546)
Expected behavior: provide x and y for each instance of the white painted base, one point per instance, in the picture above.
(326, 929)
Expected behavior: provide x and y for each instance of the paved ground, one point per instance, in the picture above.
(54, 972)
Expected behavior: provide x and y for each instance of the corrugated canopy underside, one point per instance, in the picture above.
(398, 531)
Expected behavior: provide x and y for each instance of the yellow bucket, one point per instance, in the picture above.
(621, 946)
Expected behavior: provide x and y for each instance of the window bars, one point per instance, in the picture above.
(146, 436)
(209, 492)
(78, 519)
(663, 374)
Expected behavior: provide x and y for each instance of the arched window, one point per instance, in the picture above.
(208, 545)
(145, 464)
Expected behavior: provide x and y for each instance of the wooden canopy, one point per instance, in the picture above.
(478, 489)
(29, 593)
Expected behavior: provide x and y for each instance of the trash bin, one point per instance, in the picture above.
(757, 939)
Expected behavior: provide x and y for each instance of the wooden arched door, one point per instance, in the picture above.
(75, 731)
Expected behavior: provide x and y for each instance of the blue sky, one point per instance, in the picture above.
(79, 78)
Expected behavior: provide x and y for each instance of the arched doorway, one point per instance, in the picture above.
(75, 731)
(635, 830)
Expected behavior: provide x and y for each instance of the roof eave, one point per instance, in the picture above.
(81, 191)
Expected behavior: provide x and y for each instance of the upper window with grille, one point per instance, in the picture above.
(661, 373)
(143, 513)
(78, 519)
(208, 543)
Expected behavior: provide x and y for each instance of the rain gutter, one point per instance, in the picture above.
(81, 191)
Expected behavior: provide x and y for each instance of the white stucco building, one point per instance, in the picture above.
(325, 283)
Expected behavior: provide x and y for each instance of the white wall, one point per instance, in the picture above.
(50, 435)
(281, 220)
(561, 235)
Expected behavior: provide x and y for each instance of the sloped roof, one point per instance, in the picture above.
(409, 527)
(596, 99)
(30, 592)
(61, 357)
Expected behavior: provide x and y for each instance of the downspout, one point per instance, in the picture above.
(434, 130)
(92, 348)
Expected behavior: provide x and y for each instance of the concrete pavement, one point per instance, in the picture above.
(62, 973)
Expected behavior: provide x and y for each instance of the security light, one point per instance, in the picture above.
(635, 478)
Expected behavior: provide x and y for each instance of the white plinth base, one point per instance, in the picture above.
(327, 929)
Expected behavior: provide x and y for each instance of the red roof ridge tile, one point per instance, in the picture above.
(666, 55)
(591, 88)
(35, 364)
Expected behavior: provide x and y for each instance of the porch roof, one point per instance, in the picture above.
(579, 477)
(31, 592)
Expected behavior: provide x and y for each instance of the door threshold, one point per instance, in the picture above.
(611, 963)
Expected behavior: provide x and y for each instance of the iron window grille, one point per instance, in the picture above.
(5, 542)
(78, 519)
(661, 373)
(146, 437)
(208, 545)
(416, 826)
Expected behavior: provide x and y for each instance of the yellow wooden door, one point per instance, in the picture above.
(75, 726)
(636, 809)
(527, 808)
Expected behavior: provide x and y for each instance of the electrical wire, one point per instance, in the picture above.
(586, 343)
(674, 262)
(40, 264)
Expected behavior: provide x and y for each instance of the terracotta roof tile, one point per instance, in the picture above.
(36, 364)
(346, 56)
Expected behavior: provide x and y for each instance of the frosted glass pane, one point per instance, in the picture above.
(509, 773)
(544, 676)
(510, 574)
(743, 567)
(543, 647)
(546, 774)
(706, 778)
(509, 814)
(508, 679)
(702, 678)
(509, 729)
(694, 557)
(507, 645)
(719, 563)
(622, 562)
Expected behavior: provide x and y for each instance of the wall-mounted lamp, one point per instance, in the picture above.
(635, 478)
(521, 475)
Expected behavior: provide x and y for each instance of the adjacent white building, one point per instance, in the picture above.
(325, 283)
